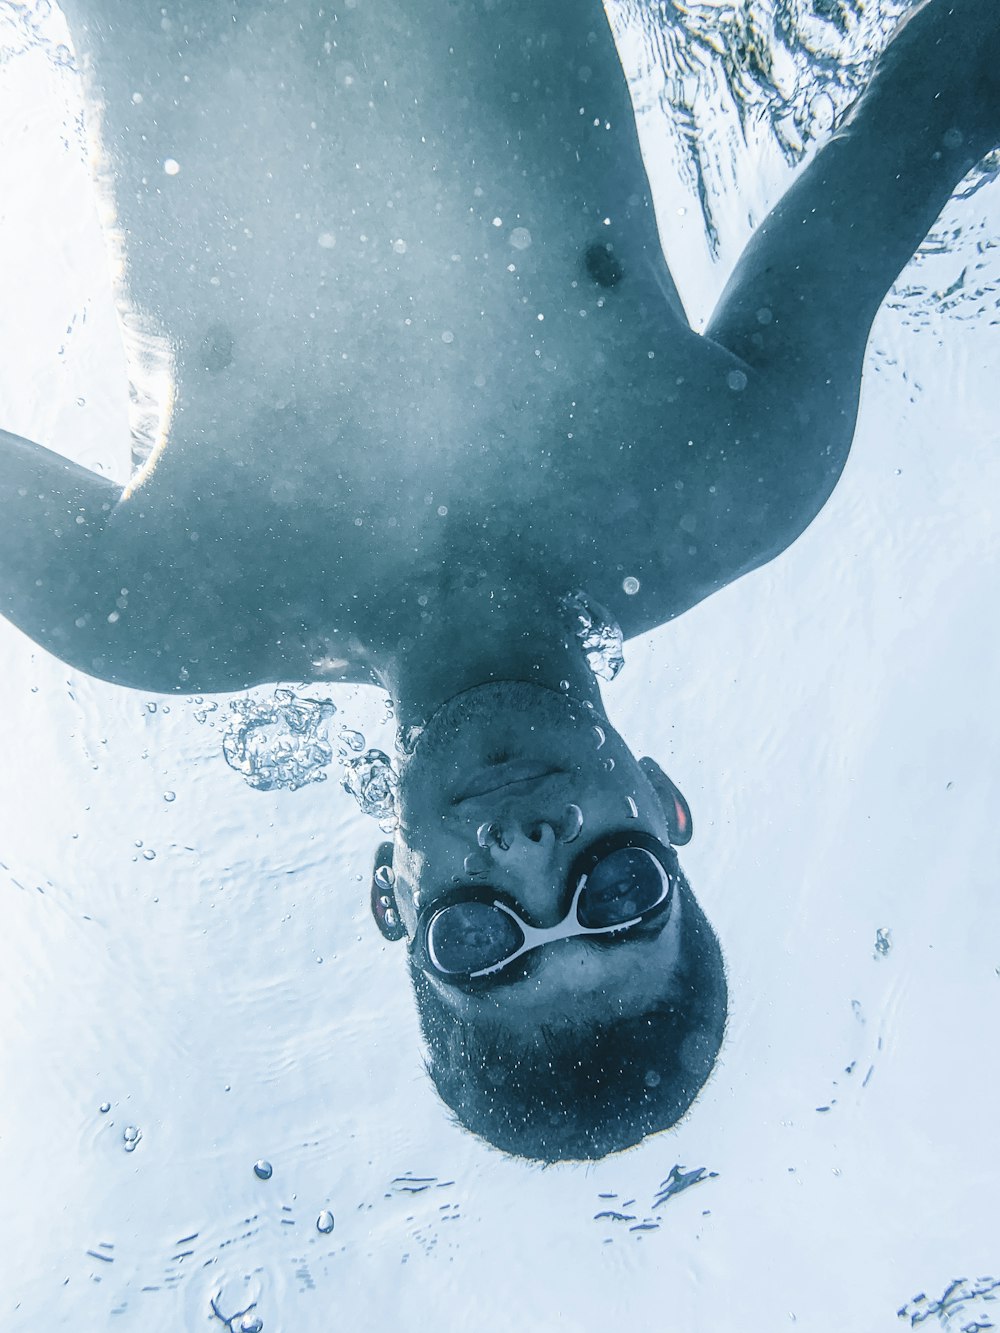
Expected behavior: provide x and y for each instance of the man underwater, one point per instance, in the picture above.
(428, 376)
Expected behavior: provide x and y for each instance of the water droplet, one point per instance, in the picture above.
(277, 742)
(571, 825)
(609, 764)
(105, 1107)
(598, 633)
(385, 877)
(599, 733)
(169, 796)
(324, 1223)
(130, 1137)
(371, 780)
(630, 585)
(633, 809)
(263, 1170)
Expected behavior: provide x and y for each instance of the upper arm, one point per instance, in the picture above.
(803, 297)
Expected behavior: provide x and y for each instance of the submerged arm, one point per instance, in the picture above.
(125, 593)
(821, 263)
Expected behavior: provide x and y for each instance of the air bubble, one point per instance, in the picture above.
(630, 585)
(171, 166)
(371, 780)
(250, 1323)
(149, 854)
(520, 238)
(609, 764)
(169, 796)
(406, 739)
(491, 835)
(105, 1107)
(571, 826)
(277, 742)
(263, 1170)
(385, 877)
(736, 380)
(597, 632)
(324, 1223)
(131, 1135)
(633, 809)
(599, 733)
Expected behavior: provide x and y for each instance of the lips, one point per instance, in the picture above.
(519, 773)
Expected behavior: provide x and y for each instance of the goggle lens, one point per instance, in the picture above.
(621, 887)
(469, 937)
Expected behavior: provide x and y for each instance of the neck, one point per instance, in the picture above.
(482, 636)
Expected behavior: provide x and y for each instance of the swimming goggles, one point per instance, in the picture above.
(473, 933)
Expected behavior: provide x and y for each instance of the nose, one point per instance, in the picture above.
(530, 850)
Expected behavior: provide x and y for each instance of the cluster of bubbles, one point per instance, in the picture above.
(597, 632)
(282, 742)
(277, 742)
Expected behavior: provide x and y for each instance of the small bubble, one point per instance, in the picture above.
(390, 917)
(324, 1223)
(651, 1079)
(385, 877)
(171, 166)
(564, 686)
(169, 796)
(736, 380)
(151, 708)
(599, 733)
(130, 1137)
(491, 835)
(498, 222)
(630, 585)
(263, 1170)
(883, 941)
(326, 240)
(609, 764)
(447, 336)
(81, 402)
(571, 825)
(399, 246)
(250, 1323)
(105, 1107)
(149, 854)
(520, 238)
(633, 809)
(137, 99)
(442, 511)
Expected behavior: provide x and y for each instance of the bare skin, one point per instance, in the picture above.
(320, 384)
(416, 398)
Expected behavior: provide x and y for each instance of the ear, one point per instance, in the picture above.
(675, 807)
(383, 899)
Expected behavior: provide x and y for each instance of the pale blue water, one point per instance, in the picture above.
(190, 986)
